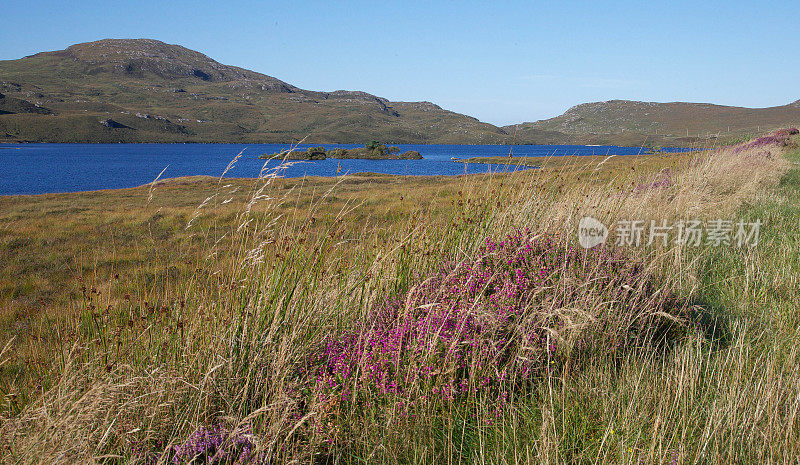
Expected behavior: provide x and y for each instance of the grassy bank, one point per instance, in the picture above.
(396, 319)
(608, 164)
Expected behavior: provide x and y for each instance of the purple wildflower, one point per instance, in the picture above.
(486, 324)
(777, 138)
(214, 445)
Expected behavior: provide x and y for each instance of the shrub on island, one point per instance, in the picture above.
(312, 153)
(375, 151)
(370, 151)
(315, 153)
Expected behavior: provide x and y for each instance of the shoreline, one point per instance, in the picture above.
(355, 144)
(202, 178)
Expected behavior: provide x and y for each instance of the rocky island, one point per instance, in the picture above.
(371, 151)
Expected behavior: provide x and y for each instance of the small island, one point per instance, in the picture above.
(531, 162)
(371, 151)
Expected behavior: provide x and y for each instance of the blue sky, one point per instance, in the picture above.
(502, 62)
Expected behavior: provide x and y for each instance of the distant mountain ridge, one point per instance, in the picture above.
(675, 121)
(144, 90)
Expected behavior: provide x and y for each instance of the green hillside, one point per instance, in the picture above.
(142, 90)
(635, 123)
(147, 91)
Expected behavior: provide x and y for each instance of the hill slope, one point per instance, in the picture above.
(120, 90)
(677, 122)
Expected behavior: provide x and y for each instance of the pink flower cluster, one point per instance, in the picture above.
(662, 181)
(484, 323)
(214, 445)
(779, 137)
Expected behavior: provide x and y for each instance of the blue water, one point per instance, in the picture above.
(49, 168)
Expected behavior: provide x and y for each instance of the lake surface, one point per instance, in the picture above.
(50, 168)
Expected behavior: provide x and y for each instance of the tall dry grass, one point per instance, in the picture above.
(225, 365)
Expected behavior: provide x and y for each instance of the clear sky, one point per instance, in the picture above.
(502, 62)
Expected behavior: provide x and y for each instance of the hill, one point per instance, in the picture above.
(634, 123)
(141, 90)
